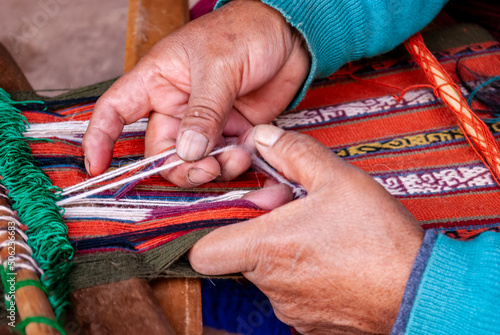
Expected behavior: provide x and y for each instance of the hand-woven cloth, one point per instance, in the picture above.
(412, 147)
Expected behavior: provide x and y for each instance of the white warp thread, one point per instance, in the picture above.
(298, 190)
(122, 170)
(116, 172)
(21, 261)
(135, 210)
(232, 195)
(74, 130)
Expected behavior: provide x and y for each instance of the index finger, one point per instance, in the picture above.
(125, 102)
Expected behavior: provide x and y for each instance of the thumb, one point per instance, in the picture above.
(299, 157)
(211, 99)
(234, 248)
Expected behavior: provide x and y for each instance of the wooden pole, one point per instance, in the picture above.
(30, 300)
(124, 307)
(148, 22)
(11, 78)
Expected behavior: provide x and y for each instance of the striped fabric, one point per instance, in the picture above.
(412, 147)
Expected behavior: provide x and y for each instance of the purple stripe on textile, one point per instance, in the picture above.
(171, 211)
(164, 194)
(201, 8)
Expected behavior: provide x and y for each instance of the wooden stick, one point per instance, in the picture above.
(30, 300)
(180, 300)
(12, 78)
(148, 22)
(124, 307)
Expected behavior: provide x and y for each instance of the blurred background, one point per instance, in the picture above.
(65, 43)
(73, 43)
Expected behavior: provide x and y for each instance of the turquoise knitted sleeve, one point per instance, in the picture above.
(340, 31)
(460, 289)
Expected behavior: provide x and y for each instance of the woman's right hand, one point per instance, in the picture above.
(215, 78)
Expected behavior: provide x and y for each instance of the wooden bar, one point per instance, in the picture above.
(124, 307)
(11, 78)
(148, 22)
(30, 300)
(180, 300)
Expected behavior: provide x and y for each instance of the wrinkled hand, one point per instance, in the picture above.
(215, 78)
(336, 261)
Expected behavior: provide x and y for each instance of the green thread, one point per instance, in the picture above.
(21, 326)
(7, 292)
(31, 282)
(34, 198)
(36, 139)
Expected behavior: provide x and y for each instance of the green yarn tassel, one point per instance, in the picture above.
(34, 198)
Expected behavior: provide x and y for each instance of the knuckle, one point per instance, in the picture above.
(205, 113)
(252, 256)
(280, 252)
(112, 102)
(307, 155)
(296, 144)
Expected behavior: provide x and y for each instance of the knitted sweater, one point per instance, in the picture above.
(340, 31)
(454, 286)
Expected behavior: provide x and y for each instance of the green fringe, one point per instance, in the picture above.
(34, 198)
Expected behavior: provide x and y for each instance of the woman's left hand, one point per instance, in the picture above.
(335, 261)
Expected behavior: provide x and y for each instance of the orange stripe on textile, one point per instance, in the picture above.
(76, 113)
(93, 228)
(382, 127)
(445, 208)
(58, 148)
(416, 160)
(129, 147)
(70, 176)
(475, 130)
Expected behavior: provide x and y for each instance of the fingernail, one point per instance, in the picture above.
(87, 166)
(192, 146)
(267, 135)
(198, 176)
